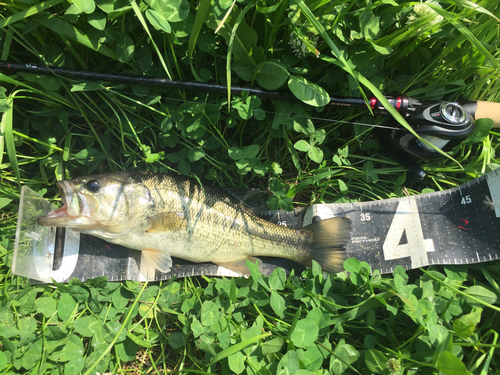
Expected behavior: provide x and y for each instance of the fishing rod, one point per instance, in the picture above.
(442, 123)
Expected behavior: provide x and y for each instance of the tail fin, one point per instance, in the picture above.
(330, 236)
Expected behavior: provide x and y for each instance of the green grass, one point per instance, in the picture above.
(434, 320)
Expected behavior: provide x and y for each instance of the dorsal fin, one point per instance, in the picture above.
(254, 199)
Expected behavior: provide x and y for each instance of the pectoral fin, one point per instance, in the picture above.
(160, 259)
(166, 222)
(239, 266)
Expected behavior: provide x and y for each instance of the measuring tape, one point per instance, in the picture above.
(455, 226)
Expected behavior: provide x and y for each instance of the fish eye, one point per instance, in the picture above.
(93, 186)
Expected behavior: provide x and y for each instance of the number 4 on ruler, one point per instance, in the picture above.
(406, 220)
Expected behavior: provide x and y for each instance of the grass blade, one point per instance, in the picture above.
(467, 33)
(237, 347)
(230, 48)
(138, 13)
(35, 9)
(201, 14)
(6, 126)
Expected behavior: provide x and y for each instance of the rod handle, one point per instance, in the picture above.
(482, 109)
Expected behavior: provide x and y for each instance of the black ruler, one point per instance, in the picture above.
(456, 226)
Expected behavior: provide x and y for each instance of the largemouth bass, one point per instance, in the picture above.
(166, 215)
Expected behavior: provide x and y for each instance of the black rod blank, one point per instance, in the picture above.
(163, 82)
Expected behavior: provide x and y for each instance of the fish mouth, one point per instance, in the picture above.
(73, 211)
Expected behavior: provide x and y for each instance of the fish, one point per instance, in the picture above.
(165, 215)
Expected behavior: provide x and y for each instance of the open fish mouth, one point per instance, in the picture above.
(74, 207)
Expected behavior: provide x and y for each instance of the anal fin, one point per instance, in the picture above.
(159, 259)
(239, 266)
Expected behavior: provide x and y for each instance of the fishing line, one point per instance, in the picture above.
(235, 109)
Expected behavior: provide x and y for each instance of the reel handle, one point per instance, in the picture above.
(482, 109)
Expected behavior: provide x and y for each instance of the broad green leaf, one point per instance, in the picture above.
(310, 93)
(121, 298)
(250, 152)
(449, 364)
(345, 354)
(87, 326)
(127, 350)
(184, 167)
(124, 48)
(480, 293)
(318, 136)
(59, 26)
(271, 75)
(96, 361)
(481, 130)
(112, 330)
(303, 124)
(46, 305)
(302, 145)
(73, 349)
(33, 354)
(144, 343)
(237, 362)
(3, 360)
(158, 21)
(65, 306)
(259, 114)
(376, 361)
(272, 346)
(89, 156)
(289, 363)
(74, 366)
(313, 358)
(352, 265)
(466, 325)
(210, 313)
(242, 163)
(277, 279)
(278, 304)
(196, 154)
(315, 154)
(87, 6)
(235, 153)
(79, 293)
(176, 340)
(97, 20)
(172, 10)
(305, 333)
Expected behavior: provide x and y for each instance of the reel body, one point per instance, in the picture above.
(442, 124)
